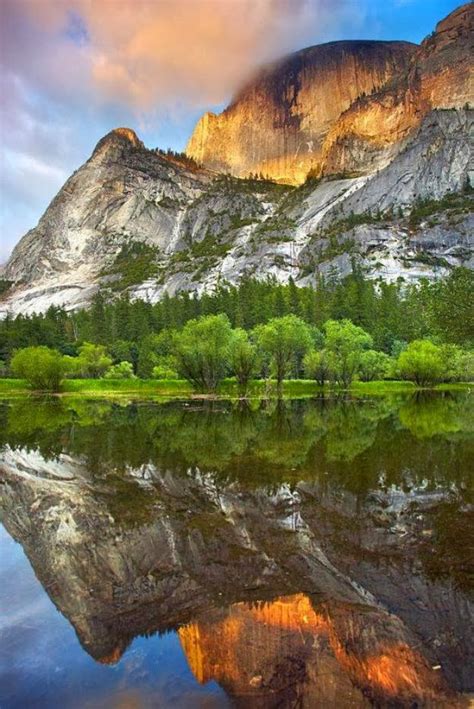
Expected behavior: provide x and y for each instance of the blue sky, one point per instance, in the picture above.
(74, 69)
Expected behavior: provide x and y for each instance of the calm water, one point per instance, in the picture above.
(308, 554)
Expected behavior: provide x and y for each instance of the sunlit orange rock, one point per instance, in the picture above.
(277, 124)
(330, 654)
(341, 107)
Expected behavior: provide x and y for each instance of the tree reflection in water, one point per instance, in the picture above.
(305, 551)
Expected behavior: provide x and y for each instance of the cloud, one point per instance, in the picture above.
(74, 69)
(143, 53)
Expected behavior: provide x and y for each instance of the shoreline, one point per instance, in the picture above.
(139, 389)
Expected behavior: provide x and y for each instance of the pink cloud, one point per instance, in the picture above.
(144, 53)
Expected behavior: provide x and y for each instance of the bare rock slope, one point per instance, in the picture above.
(140, 220)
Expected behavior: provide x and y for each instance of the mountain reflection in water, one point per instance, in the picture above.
(329, 654)
(304, 553)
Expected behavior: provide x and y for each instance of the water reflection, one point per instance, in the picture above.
(304, 654)
(306, 553)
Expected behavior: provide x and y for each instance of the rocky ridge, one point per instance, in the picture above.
(339, 107)
(151, 223)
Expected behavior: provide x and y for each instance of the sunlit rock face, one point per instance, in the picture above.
(440, 75)
(277, 124)
(341, 107)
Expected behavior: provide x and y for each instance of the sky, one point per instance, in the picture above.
(72, 70)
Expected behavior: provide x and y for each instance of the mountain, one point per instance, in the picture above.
(277, 124)
(439, 76)
(338, 107)
(389, 186)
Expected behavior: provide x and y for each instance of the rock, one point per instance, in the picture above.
(282, 123)
(276, 125)
(439, 76)
(195, 228)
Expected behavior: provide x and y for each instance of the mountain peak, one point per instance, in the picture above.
(119, 137)
(277, 123)
(461, 17)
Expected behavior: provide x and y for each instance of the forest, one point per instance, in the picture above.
(337, 332)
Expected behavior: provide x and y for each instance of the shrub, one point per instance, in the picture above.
(165, 368)
(42, 367)
(243, 359)
(122, 370)
(93, 360)
(458, 364)
(345, 343)
(155, 351)
(316, 366)
(373, 365)
(283, 340)
(465, 366)
(421, 362)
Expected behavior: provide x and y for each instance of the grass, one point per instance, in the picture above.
(177, 388)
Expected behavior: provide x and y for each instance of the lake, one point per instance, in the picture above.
(310, 553)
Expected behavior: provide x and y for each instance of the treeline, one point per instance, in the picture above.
(207, 350)
(390, 315)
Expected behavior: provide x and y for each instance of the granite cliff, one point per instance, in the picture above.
(277, 124)
(339, 107)
(383, 128)
(440, 75)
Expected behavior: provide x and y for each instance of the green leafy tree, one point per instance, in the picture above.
(42, 367)
(465, 366)
(122, 370)
(458, 364)
(151, 353)
(282, 339)
(243, 359)
(165, 368)
(124, 351)
(202, 351)
(93, 360)
(373, 365)
(422, 362)
(345, 343)
(451, 306)
(316, 366)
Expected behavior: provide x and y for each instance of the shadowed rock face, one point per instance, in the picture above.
(280, 592)
(277, 124)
